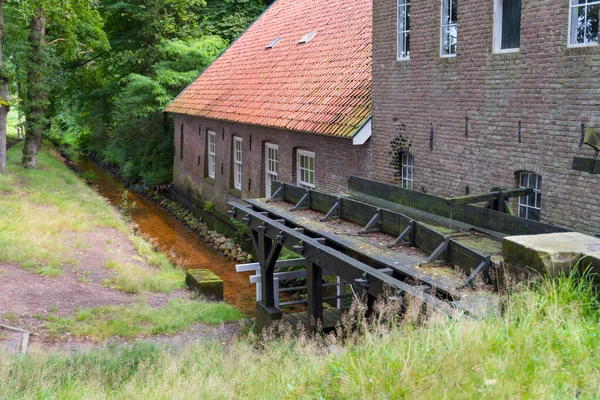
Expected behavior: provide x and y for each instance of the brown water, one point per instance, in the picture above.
(174, 239)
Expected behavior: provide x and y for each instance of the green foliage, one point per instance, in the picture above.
(209, 206)
(126, 206)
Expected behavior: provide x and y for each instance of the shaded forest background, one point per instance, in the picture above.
(106, 69)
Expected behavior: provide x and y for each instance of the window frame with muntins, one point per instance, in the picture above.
(271, 166)
(238, 152)
(574, 39)
(403, 29)
(408, 171)
(530, 206)
(448, 28)
(211, 138)
(305, 169)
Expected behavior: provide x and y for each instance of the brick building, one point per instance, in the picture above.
(289, 100)
(472, 94)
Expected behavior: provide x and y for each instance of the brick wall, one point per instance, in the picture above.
(547, 87)
(336, 159)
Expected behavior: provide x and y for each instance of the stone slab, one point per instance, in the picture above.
(205, 283)
(552, 253)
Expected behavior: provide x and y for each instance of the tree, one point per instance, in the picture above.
(3, 97)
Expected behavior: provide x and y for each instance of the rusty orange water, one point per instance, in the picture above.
(174, 239)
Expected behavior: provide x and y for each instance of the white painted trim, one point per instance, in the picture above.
(308, 154)
(575, 45)
(267, 186)
(497, 39)
(442, 55)
(212, 155)
(238, 165)
(364, 133)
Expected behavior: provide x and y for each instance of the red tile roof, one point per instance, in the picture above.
(323, 86)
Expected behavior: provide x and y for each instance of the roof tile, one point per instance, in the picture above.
(323, 86)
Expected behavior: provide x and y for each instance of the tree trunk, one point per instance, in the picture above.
(36, 95)
(3, 98)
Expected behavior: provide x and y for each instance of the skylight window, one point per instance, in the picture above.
(306, 38)
(273, 43)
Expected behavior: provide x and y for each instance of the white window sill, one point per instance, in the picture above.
(506, 51)
(403, 59)
(580, 45)
(447, 55)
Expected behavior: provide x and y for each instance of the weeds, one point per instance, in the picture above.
(132, 278)
(126, 206)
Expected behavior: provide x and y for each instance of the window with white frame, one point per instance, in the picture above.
(305, 164)
(271, 166)
(449, 30)
(212, 153)
(530, 206)
(403, 25)
(583, 23)
(507, 25)
(408, 168)
(181, 143)
(237, 162)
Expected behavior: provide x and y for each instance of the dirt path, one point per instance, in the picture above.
(28, 299)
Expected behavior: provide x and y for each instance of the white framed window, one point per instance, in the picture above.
(583, 22)
(530, 206)
(507, 26)
(408, 169)
(212, 153)
(271, 166)
(449, 28)
(305, 169)
(237, 162)
(403, 25)
(181, 143)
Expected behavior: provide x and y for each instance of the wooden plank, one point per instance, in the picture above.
(585, 165)
(479, 198)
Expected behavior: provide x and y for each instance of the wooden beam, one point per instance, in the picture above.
(303, 204)
(408, 233)
(374, 225)
(335, 212)
(479, 198)
(586, 165)
(314, 293)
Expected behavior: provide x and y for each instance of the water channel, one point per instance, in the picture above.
(173, 238)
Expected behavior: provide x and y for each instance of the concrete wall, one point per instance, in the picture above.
(336, 159)
(548, 88)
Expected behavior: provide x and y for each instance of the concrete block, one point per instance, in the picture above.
(205, 283)
(552, 253)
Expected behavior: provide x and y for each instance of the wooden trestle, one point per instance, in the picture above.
(272, 228)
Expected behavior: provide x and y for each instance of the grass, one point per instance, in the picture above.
(139, 319)
(39, 207)
(132, 278)
(545, 345)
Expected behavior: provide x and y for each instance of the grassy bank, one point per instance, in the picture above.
(45, 215)
(544, 346)
(38, 208)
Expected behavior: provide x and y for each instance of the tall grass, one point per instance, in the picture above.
(134, 279)
(544, 345)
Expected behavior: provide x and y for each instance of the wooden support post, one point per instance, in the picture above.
(304, 203)
(374, 225)
(340, 293)
(408, 233)
(438, 252)
(314, 292)
(483, 269)
(279, 193)
(335, 212)
(268, 253)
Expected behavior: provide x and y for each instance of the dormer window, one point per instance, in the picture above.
(306, 38)
(273, 43)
